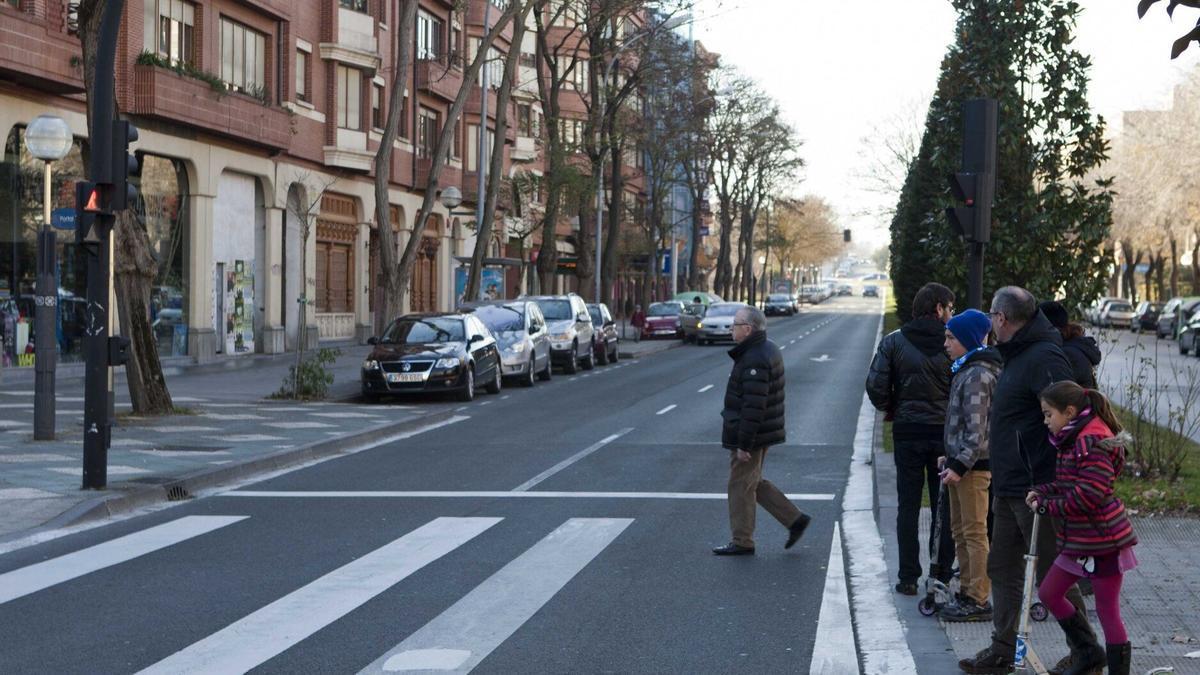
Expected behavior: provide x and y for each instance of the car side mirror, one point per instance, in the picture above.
(533, 330)
(372, 340)
(476, 338)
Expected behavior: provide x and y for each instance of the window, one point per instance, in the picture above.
(473, 146)
(571, 133)
(579, 76)
(243, 57)
(377, 119)
(301, 76)
(403, 127)
(356, 5)
(427, 131)
(524, 120)
(494, 65)
(455, 44)
(456, 148)
(429, 36)
(349, 98)
(176, 20)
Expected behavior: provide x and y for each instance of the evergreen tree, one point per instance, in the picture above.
(1049, 219)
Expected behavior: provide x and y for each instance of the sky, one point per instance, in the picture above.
(839, 69)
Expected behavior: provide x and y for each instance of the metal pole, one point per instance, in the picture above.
(600, 173)
(45, 354)
(97, 419)
(481, 153)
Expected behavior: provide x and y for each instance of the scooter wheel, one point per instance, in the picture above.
(1038, 612)
(926, 607)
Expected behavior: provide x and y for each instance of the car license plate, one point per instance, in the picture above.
(400, 378)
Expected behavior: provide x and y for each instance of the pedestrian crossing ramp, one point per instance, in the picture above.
(457, 640)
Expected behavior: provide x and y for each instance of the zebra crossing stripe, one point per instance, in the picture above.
(270, 631)
(466, 633)
(34, 578)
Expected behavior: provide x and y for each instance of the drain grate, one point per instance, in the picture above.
(178, 493)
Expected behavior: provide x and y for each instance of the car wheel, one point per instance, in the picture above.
(589, 362)
(548, 371)
(572, 365)
(468, 392)
(494, 386)
(527, 381)
(602, 360)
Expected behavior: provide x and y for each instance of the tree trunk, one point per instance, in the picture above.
(134, 267)
(390, 304)
(1196, 264)
(496, 169)
(1174, 267)
(693, 279)
(616, 217)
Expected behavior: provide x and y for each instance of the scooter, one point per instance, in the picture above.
(1025, 659)
(938, 594)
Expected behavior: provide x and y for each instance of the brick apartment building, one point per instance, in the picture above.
(229, 179)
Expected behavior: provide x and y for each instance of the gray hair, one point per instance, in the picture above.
(754, 317)
(1016, 304)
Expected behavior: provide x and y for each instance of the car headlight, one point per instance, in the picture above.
(370, 364)
(449, 362)
(517, 347)
(700, 324)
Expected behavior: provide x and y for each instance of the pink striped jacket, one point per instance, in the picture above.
(1094, 520)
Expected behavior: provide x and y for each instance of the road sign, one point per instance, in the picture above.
(63, 219)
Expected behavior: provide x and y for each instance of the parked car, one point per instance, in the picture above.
(1092, 313)
(870, 291)
(663, 320)
(717, 324)
(812, 294)
(844, 289)
(689, 297)
(571, 331)
(432, 353)
(1189, 336)
(522, 336)
(607, 339)
(690, 320)
(1116, 314)
(1145, 317)
(779, 303)
(1170, 313)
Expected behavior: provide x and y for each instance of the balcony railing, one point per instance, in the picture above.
(441, 76)
(36, 49)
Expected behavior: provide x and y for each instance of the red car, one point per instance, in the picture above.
(662, 320)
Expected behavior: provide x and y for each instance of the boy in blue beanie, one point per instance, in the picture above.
(965, 469)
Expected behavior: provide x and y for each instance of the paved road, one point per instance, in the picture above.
(506, 540)
(1158, 365)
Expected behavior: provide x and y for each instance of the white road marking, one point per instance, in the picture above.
(484, 494)
(247, 438)
(34, 457)
(16, 405)
(344, 414)
(505, 397)
(824, 358)
(26, 493)
(18, 392)
(300, 425)
(185, 430)
(268, 632)
(831, 653)
(485, 403)
(113, 470)
(666, 410)
(466, 633)
(127, 443)
(186, 399)
(10, 424)
(704, 388)
(39, 576)
(182, 453)
(233, 418)
(570, 460)
(782, 347)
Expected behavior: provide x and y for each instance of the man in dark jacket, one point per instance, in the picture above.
(1021, 457)
(910, 381)
(1081, 350)
(752, 421)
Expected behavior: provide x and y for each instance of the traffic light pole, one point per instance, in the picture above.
(97, 420)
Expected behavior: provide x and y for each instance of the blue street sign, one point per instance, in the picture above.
(63, 219)
(1141, 268)
(666, 259)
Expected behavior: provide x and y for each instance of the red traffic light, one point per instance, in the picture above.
(93, 201)
(964, 187)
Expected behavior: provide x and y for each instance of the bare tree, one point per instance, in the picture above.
(133, 257)
(885, 154)
(393, 285)
(305, 208)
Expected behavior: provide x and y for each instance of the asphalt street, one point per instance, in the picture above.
(562, 528)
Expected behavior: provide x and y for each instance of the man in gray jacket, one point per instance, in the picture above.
(966, 469)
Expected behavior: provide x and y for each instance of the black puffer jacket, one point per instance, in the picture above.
(910, 379)
(1084, 355)
(753, 414)
(1021, 452)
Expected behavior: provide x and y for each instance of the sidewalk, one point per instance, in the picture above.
(632, 349)
(228, 431)
(1160, 599)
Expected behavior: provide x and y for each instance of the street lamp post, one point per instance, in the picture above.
(762, 262)
(49, 139)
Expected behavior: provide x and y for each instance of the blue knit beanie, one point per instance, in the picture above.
(970, 327)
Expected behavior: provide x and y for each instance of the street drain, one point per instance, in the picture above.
(177, 493)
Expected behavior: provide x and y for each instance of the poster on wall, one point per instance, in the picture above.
(239, 308)
(491, 284)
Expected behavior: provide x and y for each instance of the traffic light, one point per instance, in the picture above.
(124, 165)
(969, 221)
(846, 236)
(89, 201)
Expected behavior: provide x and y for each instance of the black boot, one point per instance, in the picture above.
(1086, 654)
(1119, 657)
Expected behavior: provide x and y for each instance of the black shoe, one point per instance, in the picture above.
(987, 662)
(905, 588)
(733, 549)
(1087, 656)
(797, 530)
(967, 610)
(1119, 657)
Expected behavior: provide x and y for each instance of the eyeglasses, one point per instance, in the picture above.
(739, 323)
(995, 313)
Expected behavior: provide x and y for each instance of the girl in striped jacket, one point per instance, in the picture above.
(1096, 541)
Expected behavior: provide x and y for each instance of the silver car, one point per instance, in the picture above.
(571, 331)
(522, 336)
(717, 324)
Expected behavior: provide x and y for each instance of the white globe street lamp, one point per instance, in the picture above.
(49, 139)
(451, 198)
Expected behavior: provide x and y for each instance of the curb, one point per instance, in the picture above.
(184, 487)
(631, 355)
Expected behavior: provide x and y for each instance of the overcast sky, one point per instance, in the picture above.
(839, 68)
